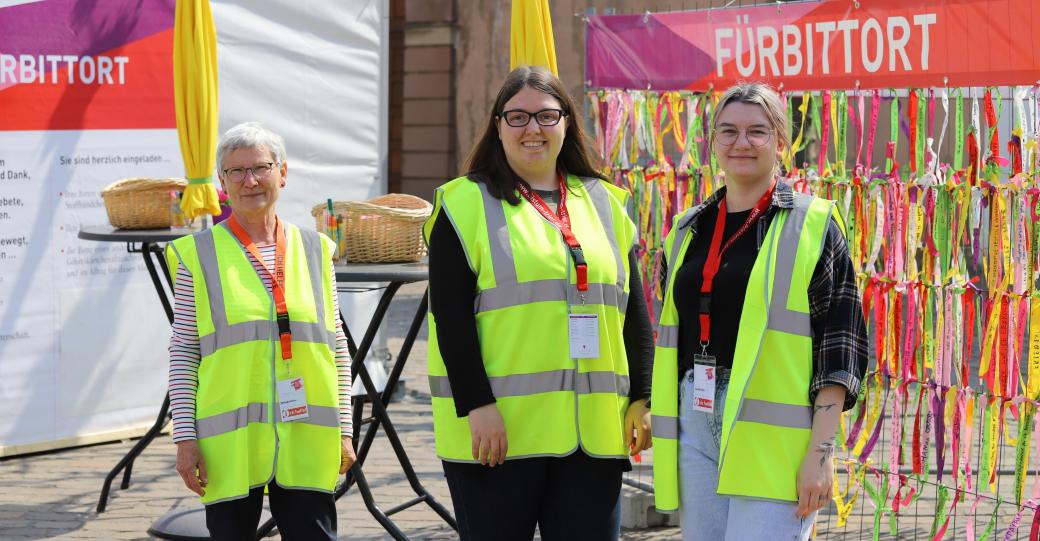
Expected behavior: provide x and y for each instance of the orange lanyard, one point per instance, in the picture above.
(277, 277)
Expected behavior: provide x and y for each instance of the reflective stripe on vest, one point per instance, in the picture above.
(668, 336)
(664, 426)
(544, 382)
(516, 294)
(256, 412)
(225, 334)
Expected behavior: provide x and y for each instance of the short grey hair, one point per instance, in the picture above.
(250, 135)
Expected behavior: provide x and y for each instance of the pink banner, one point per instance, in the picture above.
(826, 44)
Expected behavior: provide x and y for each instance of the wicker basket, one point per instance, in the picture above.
(140, 203)
(386, 229)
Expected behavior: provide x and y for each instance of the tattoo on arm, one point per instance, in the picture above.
(826, 449)
(823, 407)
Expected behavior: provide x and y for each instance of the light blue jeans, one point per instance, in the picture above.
(706, 516)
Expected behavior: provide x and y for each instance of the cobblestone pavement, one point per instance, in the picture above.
(53, 495)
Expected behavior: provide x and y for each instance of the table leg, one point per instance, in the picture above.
(147, 250)
(126, 464)
(128, 459)
(381, 417)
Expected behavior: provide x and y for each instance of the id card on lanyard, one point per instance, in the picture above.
(292, 397)
(704, 364)
(582, 327)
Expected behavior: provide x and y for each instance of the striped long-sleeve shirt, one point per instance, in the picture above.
(185, 354)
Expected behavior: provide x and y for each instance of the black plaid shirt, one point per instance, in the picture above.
(835, 306)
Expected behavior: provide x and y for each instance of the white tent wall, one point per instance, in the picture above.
(83, 358)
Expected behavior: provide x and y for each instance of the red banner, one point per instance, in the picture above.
(827, 44)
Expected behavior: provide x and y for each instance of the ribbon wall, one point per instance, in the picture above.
(937, 184)
(946, 252)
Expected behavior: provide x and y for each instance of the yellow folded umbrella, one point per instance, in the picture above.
(530, 37)
(195, 98)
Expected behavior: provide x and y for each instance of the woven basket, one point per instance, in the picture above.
(386, 229)
(140, 203)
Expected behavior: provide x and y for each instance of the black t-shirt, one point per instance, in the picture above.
(728, 289)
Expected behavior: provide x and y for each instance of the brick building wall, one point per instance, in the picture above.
(426, 149)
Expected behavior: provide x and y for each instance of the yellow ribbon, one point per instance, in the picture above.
(790, 152)
(1033, 372)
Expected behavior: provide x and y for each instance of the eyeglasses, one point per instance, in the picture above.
(260, 172)
(518, 118)
(757, 137)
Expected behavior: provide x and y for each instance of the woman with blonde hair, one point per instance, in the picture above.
(761, 343)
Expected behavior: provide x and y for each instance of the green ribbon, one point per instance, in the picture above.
(942, 494)
(992, 519)
(958, 131)
(999, 106)
(942, 231)
(893, 134)
(987, 419)
(693, 130)
(816, 118)
(840, 150)
(200, 180)
(879, 497)
(922, 129)
(1025, 430)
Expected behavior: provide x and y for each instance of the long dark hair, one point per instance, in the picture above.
(487, 160)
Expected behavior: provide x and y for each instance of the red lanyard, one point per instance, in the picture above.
(717, 249)
(277, 277)
(562, 221)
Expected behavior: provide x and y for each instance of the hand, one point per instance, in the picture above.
(347, 457)
(488, 432)
(815, 480)
(637, 427)
(191, 466)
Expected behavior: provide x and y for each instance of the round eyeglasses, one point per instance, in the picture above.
(518, 118)
(757, 137)
(260, 172)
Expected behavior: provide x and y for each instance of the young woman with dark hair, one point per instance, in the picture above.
(540, 345)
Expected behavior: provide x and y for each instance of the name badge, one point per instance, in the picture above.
(292, 400)
(583, 330)
(704, 383)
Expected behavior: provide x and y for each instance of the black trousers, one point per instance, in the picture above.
(304, 515)
(572, 498)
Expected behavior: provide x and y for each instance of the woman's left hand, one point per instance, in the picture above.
(815, 481)
(346, 454)
(637, 427)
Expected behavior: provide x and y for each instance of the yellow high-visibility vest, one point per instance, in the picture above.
(551, 403)
(767, 418)
(241, 437)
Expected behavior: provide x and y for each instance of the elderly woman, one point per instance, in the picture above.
(259, 369)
